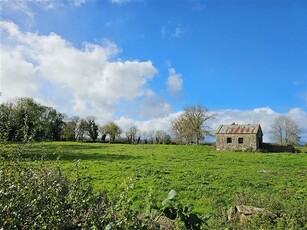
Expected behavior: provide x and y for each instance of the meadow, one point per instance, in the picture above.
(211, 181)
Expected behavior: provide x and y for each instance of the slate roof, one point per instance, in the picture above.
(237, 129)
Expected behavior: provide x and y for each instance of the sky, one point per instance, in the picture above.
(140, 62)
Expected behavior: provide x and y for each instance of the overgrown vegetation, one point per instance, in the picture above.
(39, 196)
(80, 185)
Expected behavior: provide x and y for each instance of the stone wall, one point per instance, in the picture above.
(249, 142)
(268, 147)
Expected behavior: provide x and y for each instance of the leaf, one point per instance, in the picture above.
(109, 226)
(171, 194)
(206, 217)
(188, 208)
(166, 203)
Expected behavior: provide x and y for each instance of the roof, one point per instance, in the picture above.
(235, 128)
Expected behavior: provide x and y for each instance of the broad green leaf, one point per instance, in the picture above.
(171, 194)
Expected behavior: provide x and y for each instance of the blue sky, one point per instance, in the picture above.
(137, 61)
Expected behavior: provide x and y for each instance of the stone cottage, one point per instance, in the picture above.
(239, 137)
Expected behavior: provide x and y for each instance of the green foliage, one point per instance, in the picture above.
(173, 209)
(111, 129)
(24, 119)
(92, 128)
(69, 133)
(39, 196)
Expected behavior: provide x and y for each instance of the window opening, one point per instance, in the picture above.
(240, 140)
(229, 140)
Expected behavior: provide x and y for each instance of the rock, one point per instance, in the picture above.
(243, 212)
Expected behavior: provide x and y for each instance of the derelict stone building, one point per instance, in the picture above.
(239, 137)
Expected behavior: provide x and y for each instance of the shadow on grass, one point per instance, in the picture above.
(65, 147)
(70, 156)
(72, 152)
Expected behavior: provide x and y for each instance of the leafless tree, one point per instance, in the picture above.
(189, 127)
(162, 137)
(131, 134)
(286, 131)
(151, 137)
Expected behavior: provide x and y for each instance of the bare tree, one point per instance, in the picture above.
(131, 134)
(150, 136)
(190, 127)
(162, 137)
(178, 127)
(286, 131)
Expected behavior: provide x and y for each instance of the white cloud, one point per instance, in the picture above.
(17, 76)
(120, 2)
(198, 6)
(179, 31)
(25, 6)
(16, 6)
(174, 82)
(87, 77)
(155, 124)
(24, 9)
(17, 9)
(170, 31)
(78, 3)
(153, 106)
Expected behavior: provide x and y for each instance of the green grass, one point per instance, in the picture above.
(198, 173)
(210, 180)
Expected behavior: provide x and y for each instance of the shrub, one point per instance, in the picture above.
(38, 195)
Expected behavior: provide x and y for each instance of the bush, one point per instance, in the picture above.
(38, 195)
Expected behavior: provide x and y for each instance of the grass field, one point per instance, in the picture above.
(212, 181)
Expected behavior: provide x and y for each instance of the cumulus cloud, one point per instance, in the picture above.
(17, 76)
(154, 106)
(154, 124)
(174, 82)
(36, 65)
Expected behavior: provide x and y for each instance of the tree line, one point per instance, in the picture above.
(24, 119)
